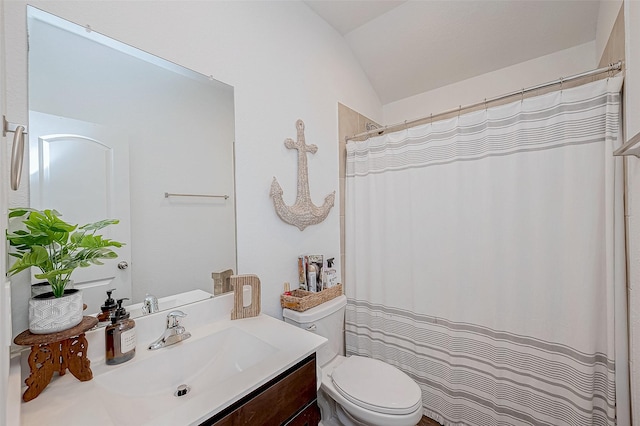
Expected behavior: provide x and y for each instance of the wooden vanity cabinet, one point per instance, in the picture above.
(289, 399)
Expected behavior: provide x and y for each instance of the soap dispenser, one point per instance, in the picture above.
(108, 308)
(120, 336)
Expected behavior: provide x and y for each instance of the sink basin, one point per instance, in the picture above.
(145, 388)
(209, 359)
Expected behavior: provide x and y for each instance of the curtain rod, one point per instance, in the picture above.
(406, 124)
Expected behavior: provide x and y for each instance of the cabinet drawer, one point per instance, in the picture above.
(275, 402)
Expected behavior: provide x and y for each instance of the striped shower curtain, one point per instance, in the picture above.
(485, 256)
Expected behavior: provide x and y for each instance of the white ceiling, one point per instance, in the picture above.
(410, 47)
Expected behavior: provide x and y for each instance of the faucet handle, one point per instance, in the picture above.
(173, 318)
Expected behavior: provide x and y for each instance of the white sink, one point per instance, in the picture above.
(144, 388)
(209, 360)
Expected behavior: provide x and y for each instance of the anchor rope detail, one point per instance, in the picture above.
(303, 212)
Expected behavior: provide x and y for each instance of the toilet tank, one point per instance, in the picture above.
(326, 320)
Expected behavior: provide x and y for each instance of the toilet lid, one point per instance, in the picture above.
(377, 386)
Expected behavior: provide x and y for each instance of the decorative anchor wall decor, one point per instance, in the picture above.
(303, 213)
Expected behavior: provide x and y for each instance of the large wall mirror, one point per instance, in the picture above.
(118, 133)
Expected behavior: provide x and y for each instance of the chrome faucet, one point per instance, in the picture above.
(149, 304)
(174, 333)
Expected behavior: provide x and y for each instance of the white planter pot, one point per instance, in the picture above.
(48, 314)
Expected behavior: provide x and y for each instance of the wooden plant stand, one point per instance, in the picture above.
(59, 351)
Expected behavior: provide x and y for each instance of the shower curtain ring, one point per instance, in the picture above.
(459, 109)
(522, 95)
(431, 119)
(561, 83)
(485, 104)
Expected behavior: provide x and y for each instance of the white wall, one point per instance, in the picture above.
(525, 74)
(284, 62)
(632, 127)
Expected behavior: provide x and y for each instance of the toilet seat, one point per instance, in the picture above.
(376, 386)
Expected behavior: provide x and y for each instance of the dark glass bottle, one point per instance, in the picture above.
(120, 337)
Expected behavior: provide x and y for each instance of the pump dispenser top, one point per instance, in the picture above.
(120, 313)
(108, 308)
(109, 303)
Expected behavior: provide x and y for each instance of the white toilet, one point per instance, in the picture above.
(356, 390)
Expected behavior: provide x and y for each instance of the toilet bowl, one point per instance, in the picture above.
(371, 392)
(355, 390)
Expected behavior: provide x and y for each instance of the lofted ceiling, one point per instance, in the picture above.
(410, 47)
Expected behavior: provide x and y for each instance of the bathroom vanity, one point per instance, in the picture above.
(251, 371)
(289, 399)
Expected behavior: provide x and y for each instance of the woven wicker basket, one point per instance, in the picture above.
(301, 300)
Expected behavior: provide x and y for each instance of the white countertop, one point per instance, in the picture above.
(67, 401)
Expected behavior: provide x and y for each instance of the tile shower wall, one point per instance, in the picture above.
(350, 123)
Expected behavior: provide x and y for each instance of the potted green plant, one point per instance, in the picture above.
(56, 248)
